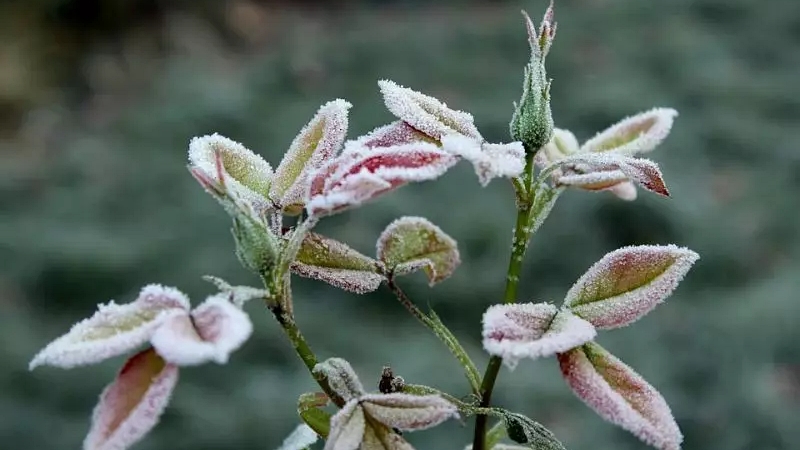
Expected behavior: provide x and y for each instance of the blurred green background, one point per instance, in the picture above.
(98, 100)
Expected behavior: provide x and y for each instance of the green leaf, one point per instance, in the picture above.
(309, 408)
(326, 259)
(412, 243)
(523, 430)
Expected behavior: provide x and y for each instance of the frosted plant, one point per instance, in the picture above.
(324, 173)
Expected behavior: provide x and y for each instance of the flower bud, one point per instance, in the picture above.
(256, 247)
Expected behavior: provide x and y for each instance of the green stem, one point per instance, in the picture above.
(442, 332)
(518, 247)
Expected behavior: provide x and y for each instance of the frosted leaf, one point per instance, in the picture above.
(412, 243)
(333, 262)
(425, 113)
(620, 395)
(408, 412)
(395, 133)
(347, 428)
(114, 329)
(315, 145)
(628, 283)
(233, 169)
(528, 330)
(603, 169)
(309, 407)
(524, 430)
(490, 160)
(562, 144)
(131, 405)
(356, 177)
(640, 133)
(215, 330)
(302, 437)
(378, 437)
(238, 295)
(624, 191)
(341, 377)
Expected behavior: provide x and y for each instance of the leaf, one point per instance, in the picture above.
(408, 412)
(333, 262)
(412, 243)
(114, 329)
(490, 160)
(628, 283)
(620, 395)
(425, 113)
(238, 295)
(524, 430)
(604, 171)
(232, 168)
(561, 145)
(378, 437)
(639, 133)
(216, 328)
(544, 199)
(315, 145)
(309, 408)
(395, 133)
(302, 437)
(341, 378)
(131, 405)
(347, 428)
(527, 330)
(360, 175)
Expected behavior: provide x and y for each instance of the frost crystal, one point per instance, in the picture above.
(114, 329)
(316, 145)
(334, 262)
(131, 405)
(412, 243)
(530, 330)
(232, 168)
(216, 328)
(426, 113)
(357, 176)
(639, 133)
(490, 160)
(620, 395)
(628, 283)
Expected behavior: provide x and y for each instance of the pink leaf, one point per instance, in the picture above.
(114, 329)
(620, 395)
(131, 405)
(628, 283)
(315, 145)
(528, 330)
(426, 113)
(408, 412)
(354, 178)
(347, 428)
(640, 133)
(329, 260)
(412, 243)
(215, 330)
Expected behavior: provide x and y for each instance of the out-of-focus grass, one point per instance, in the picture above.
(97, 202)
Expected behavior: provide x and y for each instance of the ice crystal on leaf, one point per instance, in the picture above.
(114, 329)
(334, 262)
(412, 243)
(620, 395)
(628, 283)
(425, 113)
(131, 405)
(490, 160)
(315, 145)
(360, 175)
(527, 330)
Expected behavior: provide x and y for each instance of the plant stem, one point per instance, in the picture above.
(518, 247)
(442, 332)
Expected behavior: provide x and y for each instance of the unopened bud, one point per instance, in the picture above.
(256, 247)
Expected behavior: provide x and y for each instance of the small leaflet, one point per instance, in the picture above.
(412, 243)
(636, 134)
(602, 171)
(628, 283)
(620, 395)
(132, 405)
(337, 264)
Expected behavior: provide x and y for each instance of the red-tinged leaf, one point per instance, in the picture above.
(333, 262)
(603, 171)
(639, 133)
(347, 428)
(599, 180)
(216, 328)
(408, 412)
(315, 145)
(356, 177)
(620, 395)
(412, 243)
(395, 133)
(425, 113)
(114, 329)
(527, 330)
(131, 405)
(628, 283)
